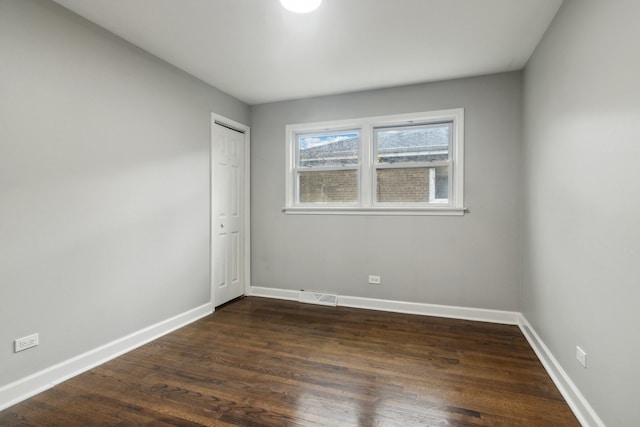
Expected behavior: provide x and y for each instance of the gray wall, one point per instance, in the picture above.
(471, 261)
(104, 186)
(104, 193)
(581, 199)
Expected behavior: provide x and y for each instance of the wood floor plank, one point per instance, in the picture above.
(262, 362)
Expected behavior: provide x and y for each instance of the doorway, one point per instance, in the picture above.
(229, 210)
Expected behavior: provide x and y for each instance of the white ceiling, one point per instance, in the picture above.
(259, 52)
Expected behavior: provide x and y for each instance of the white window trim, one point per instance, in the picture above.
(366, 169)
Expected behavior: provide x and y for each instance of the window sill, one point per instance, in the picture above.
(396, 210)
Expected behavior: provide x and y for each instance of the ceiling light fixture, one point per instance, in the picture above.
(301, 6)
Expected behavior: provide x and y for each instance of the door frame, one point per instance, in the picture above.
(246, 130)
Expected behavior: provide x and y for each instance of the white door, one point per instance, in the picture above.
(227, 214)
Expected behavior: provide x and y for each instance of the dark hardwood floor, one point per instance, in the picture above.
(262, 362)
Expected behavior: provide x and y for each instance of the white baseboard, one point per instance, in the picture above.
(576, 401)
(286, 294)
(466, 313)
(31, 385)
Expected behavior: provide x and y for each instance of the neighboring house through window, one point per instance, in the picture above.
(401, 164)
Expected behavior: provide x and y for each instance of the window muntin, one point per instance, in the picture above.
(409, 164)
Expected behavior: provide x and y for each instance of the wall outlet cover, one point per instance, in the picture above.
(581, 355)
(26, 342)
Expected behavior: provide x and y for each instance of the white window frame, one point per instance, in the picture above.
(366, 170)
(297, 170)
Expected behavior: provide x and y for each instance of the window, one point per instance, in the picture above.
(327, 167)
(402, 164)
(412, 163)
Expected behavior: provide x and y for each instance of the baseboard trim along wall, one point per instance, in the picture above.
(31, 385)
(466, 313)
(285, 294)
(576, 401)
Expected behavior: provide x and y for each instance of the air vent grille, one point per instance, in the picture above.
(320, 298)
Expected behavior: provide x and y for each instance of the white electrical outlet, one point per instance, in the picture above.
(374, 280)
(581, 356)
(26, 342)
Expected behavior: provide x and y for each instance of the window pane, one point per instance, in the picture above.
(441, 183)
(328, 186)
(327, 150)
(412, 185)
(426, 143)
